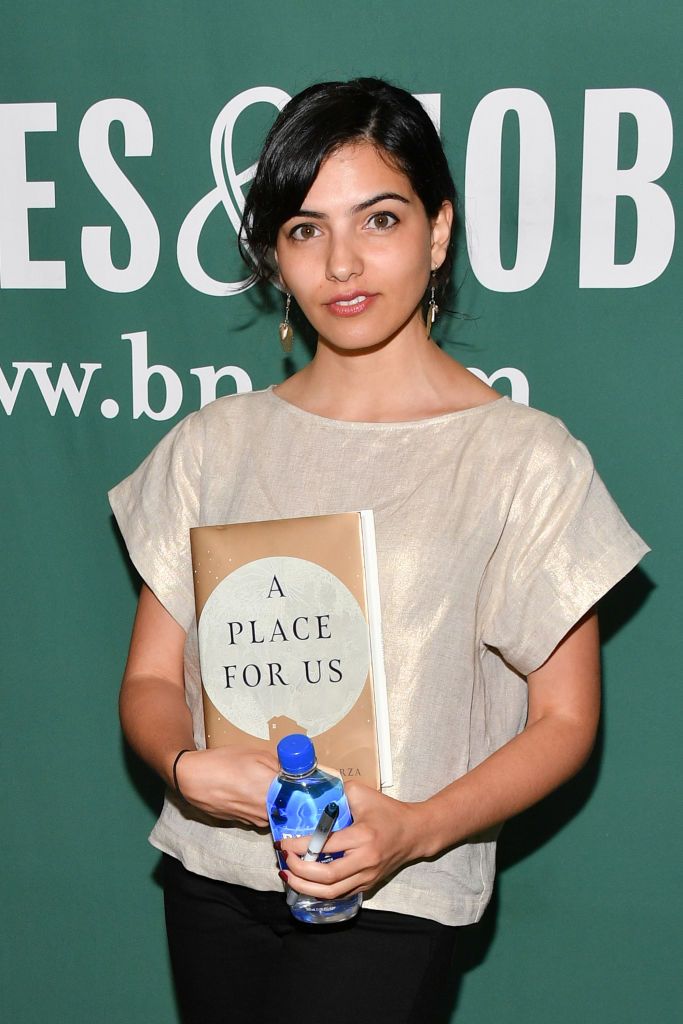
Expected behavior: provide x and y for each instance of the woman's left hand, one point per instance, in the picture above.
(564, 704)
(384, 836)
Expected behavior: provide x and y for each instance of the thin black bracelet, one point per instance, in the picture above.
(175, 771)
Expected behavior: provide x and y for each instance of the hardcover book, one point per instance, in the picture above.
(289, 629)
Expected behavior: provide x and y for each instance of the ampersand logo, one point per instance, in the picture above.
(228, 191)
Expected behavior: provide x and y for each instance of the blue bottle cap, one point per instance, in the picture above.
(296, 754)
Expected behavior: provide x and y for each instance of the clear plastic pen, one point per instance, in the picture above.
(317, 841)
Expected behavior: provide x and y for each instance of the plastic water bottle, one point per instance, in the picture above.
(297, 800)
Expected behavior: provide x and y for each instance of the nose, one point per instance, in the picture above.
(343, 258)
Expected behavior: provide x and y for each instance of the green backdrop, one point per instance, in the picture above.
(571, 284)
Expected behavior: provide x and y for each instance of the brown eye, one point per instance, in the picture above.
(382, 221)
(302, 232)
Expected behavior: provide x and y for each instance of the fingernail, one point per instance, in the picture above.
(283, 876)
(277, 844)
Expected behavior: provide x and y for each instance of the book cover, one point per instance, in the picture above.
(289, 634)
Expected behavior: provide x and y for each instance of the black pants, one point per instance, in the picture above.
(238, 955)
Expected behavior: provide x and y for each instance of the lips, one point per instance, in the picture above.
(351, 304)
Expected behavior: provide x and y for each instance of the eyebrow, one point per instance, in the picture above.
(359, 207)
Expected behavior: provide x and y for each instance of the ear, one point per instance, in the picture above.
(279, 274)
(442, 226)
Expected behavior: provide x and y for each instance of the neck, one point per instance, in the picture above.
(406, 377)
(370, 378)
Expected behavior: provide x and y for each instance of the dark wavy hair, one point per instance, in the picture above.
(317, 122)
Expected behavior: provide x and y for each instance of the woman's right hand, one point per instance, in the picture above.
(224, 782)
(228, 783)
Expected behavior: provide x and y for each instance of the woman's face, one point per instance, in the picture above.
(358, 255)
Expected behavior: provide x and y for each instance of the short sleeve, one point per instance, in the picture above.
(155, 507)
(563, 546)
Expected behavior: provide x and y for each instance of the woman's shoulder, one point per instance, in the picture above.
(526, 447)
(224, 418)
(218, 428)
(539, 454)
(516, 424)
(244, 405)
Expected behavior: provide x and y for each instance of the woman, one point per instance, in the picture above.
(495, 539)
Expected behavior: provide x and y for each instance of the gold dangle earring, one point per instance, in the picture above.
(286, 332)
(432, 310)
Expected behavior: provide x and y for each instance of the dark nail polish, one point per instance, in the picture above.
(277, 844)
(283, 875)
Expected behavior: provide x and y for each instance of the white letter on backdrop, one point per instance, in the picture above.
(8, 395)
(603, 181)
(536, 189)
(519, 383)
(228, 191)
(93, 141)
(66, 385)
(209, 376)
(431, 101)
(18, 196)
(141, 372)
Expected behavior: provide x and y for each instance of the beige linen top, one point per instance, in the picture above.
(494, 536)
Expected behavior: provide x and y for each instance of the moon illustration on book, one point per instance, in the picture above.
(283, 636)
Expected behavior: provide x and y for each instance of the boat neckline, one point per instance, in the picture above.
(445, 417)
